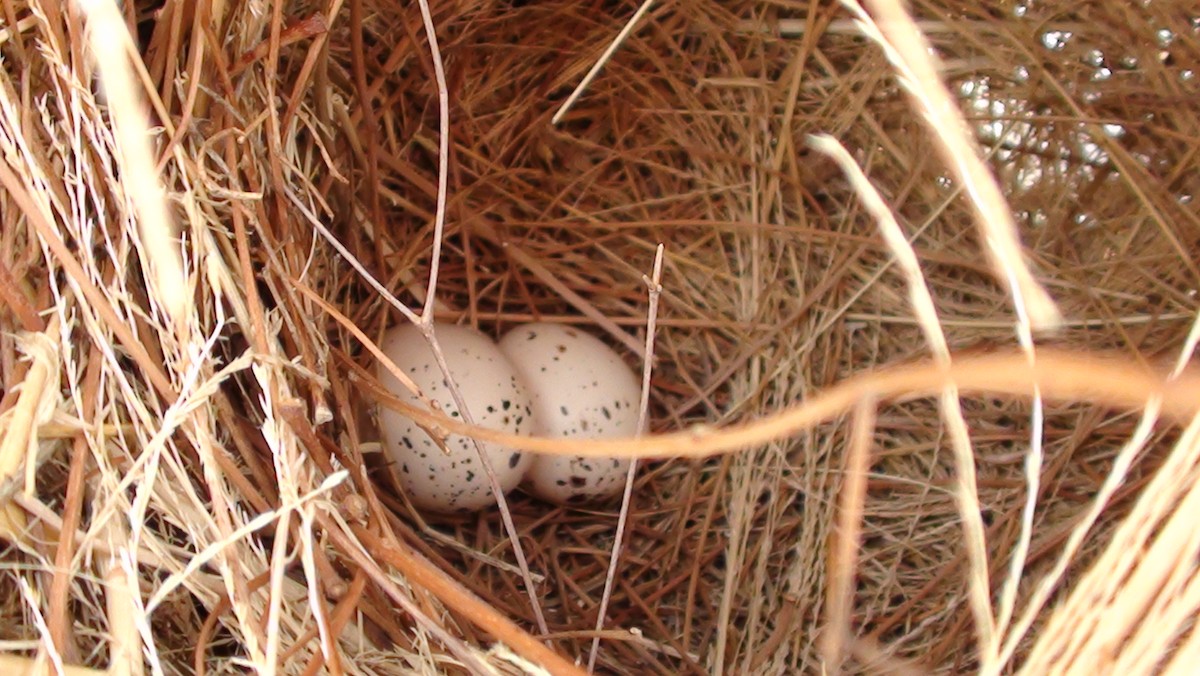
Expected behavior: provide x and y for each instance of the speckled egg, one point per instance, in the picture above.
(494, 395)
(581, 388)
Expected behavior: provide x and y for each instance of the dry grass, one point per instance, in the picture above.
(868, 452)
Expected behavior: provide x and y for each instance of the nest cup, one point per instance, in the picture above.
(883, 437)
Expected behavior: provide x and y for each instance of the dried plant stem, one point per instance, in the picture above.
(877, 661)
(596, 67)
(15, 664)
(122, 604)
(427, 576)
(216, 550)
(427, 329)
(359, 69)
(38, 214)
(1052, 639)
(510, 527)
(439, 216)
(310, 555)
(1061, 375)
(19, 446)
(791, 28)
(12, 294)
(1046, 586)
(576, 300)
(160, 251)
(923, 307)
(61, 626)
(910, 53)
(654, 285)
(994, 661)
(93, 546)
(350, 258)
(47, 651)
(407, 278)
(426, 323)
(1137, 580)
(21, 26)
(843, 559)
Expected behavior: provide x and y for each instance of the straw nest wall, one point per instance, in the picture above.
(919, 395)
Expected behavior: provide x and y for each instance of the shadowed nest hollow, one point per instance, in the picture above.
(202, 202)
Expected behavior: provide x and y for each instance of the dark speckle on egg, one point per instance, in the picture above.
(514, 460)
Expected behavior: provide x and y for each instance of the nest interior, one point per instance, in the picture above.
(193, 413)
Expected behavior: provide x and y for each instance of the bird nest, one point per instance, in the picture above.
(913, 291)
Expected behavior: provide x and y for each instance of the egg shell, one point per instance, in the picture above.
(581, 388)
(494, 395)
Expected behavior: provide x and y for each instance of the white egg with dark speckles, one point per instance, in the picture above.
(580, 388)
(494, 395)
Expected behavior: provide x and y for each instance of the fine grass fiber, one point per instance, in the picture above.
(912, 288)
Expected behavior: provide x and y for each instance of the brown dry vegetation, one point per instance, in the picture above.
(189, 467)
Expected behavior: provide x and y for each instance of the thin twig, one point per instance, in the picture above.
(439, 215)
(595, 70)
(426, 324)
(510, 527)
(1061, 375)
(843, 559)
(967, 492)
(60, 624)
(654, 285)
